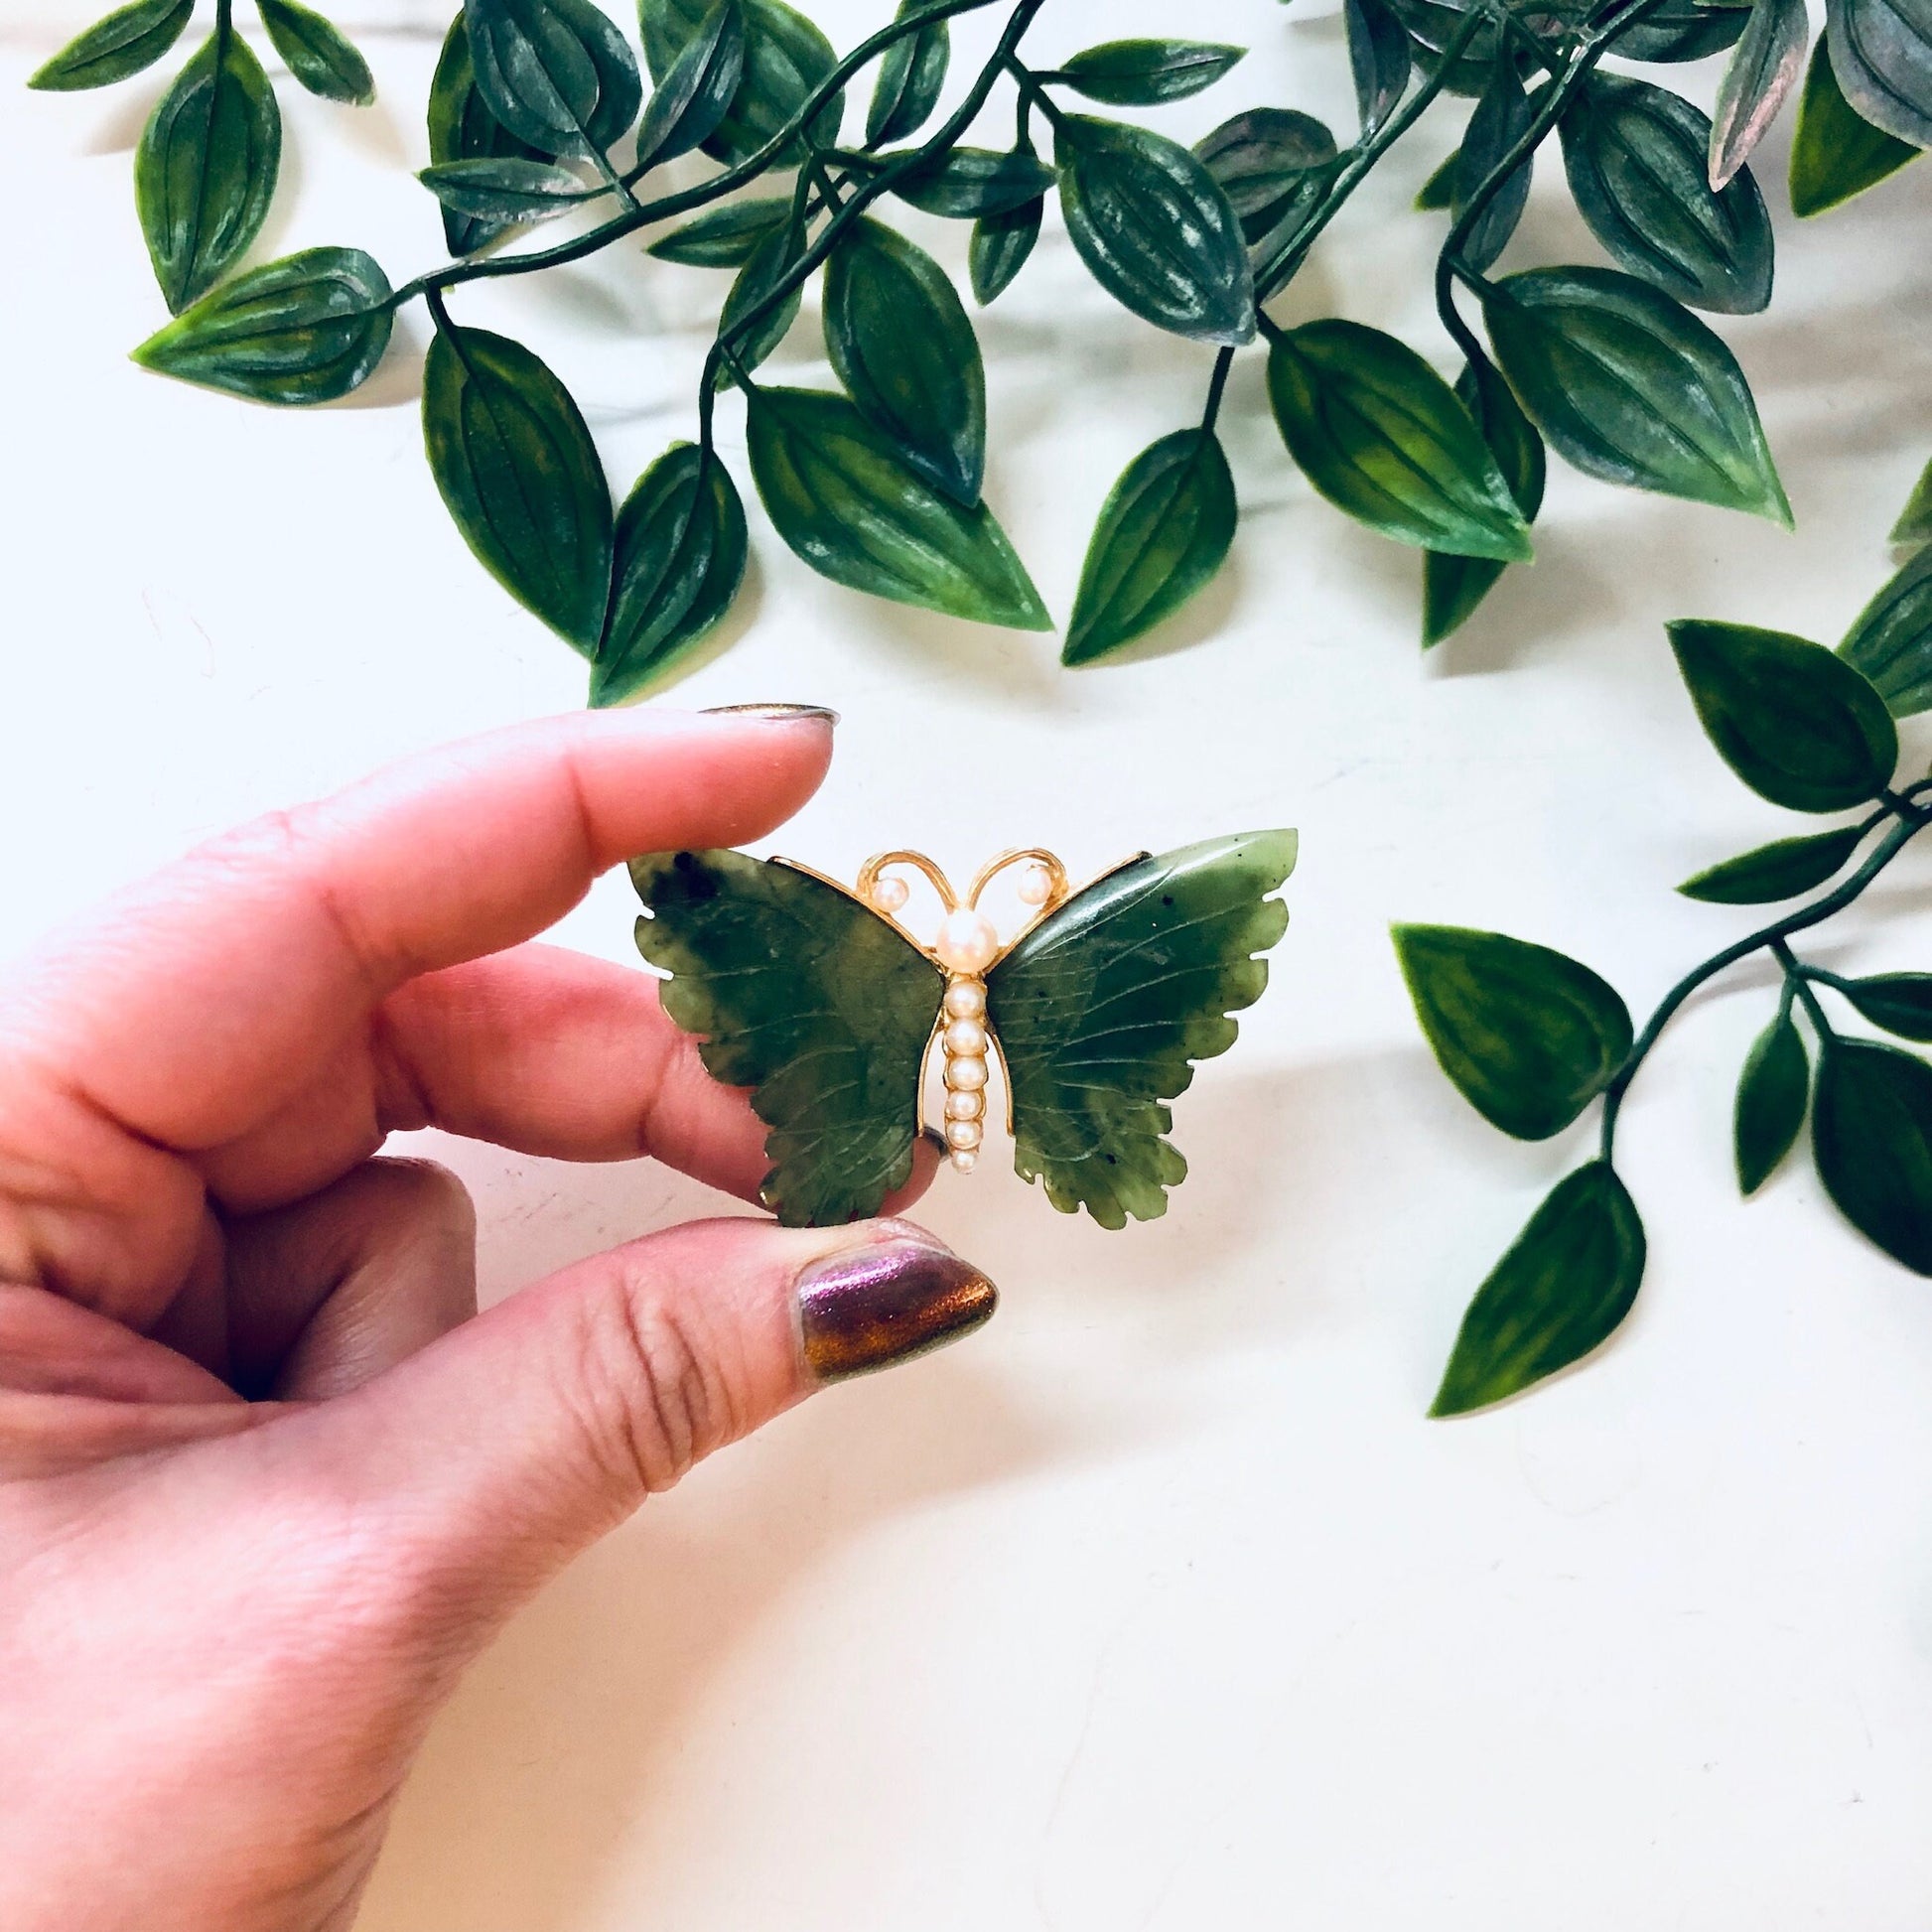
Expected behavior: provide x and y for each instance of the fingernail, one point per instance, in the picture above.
(869, 1307)
(778, 713)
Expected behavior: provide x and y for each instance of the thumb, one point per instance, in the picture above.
(495, 1453)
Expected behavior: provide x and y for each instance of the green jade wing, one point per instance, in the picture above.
(826, 1007)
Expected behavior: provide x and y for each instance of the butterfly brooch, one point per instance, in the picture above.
(828, 1008)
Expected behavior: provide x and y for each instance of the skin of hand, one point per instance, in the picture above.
(268, 1480)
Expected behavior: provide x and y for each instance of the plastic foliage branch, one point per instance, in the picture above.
(1532, 1038)
(538, 110)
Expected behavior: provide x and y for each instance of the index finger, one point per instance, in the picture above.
(205, 993)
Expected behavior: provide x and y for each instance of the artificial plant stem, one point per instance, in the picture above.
(1217, 384)
(1032, 93)
(1795, 975)
(1766, 937)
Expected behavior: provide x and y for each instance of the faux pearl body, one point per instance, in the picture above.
(965, 999)
(966, 1038)
(967, 941)
(966, 1075)
(964, 1043)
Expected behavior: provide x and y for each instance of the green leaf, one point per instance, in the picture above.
(1454, 585)
(1500, 119)
(1439, 190)
(851, 505)
(1871, 1137)
(1142, 73)
(1914, 526)
(462, 128)
(1268, 162)
(1680, 31)
(787, 57)
(1630, 387)
(1637, 157)
(1528, 1035)
(1563, 1288)
(520, 477)
(1771, 1094)
(1378, 60)
(1164, 531)
(768, 264)
(806, 996)
(127, 41)
(1154, 228)
(999, 246)
(204, 171)
(305, 329)
(505, 188)
(1778, 871)
(556, 72)
(1382, 436)
(1901, 1003)
(967, 184)
(679, 559)
(726, 237)
(1891, 639)
(698, 88)
(1834, 152)
(1101, 1007)
(1881, 54)
(1433, 24)
(900, 342)
(318, 52)
(911, 71)
(1761, 73)
(1798, 725)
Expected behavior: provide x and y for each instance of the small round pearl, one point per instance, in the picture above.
(963, 1159)
(966, 1037)
(889, 893)
(966, 1075)
(965, 1106)
(967, 942)
(1035, 885)
(962, 1133)
(965, 999)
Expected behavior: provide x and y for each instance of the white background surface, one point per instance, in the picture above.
(1159, 1605)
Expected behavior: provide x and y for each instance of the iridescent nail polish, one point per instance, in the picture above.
(778, 713)
(868, 1307)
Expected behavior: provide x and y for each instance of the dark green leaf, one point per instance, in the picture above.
(305, 328)
(1382, 436)
(1871, 1137)
(520, 476)
(1378, 60)
(1266, 161)
(1142, 73)
(1629, 386)
(809, 997)
(1836, 153)
(1771, 1095)
(1891, 639)
(1681, 30)
(787, 57)
(1778, 871)
(556, 72)
(999, 246)
(1501, 118)
(912, 72)
(1761, 73)
(1154, 228)
(679, 559)
(204, 171)
(318, 52)
(1798, 725)
(1901, 1003)
(1164, 531)
(1914, 526)
(901, 344)
(462, 128)
(1433, 24)
(127, 41)
(1439, 190)
(506, 189)
(1637, 157)
(1101, 1007)
(698, 88)
(845, 500)
(1881, 53)
(1563, 1288)
(1529, 1036)
(1454, 585)
(726, 237)
(964, 184)
(763, 270)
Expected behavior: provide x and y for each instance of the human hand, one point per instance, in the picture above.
(267, 1481)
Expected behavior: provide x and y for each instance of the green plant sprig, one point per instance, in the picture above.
(1532, 1038)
